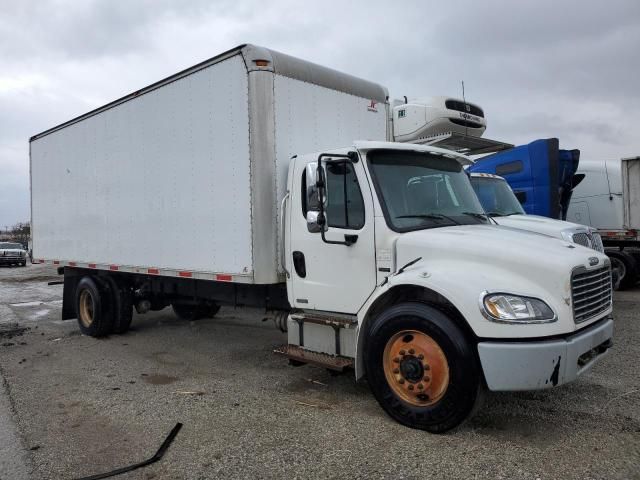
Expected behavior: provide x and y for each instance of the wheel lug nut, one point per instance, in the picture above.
(412, 351)
(410, 387)
(427, 367)
(402, 352)
(426, 378)
(396, 360)
(420, 386)
(396, 370)
(401, 381)
(421, 357)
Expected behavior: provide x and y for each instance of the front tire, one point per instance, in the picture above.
(92, 308)
(421, 368)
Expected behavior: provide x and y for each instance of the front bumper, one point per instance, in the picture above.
(11, 260)
(543, 364)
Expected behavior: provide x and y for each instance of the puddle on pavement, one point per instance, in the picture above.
(158, 379)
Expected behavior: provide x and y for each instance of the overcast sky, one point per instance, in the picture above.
(566, 69)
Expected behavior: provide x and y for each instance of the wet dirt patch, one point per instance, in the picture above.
(11, 330)
(158, 379)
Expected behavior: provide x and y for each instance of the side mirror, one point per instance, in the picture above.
(316, 223)
(313, 199)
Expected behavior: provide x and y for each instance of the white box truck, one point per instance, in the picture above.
(238, 182)
(608, 198)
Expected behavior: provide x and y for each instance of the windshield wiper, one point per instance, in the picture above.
(481, 216)
(430, 216)
(495, 214)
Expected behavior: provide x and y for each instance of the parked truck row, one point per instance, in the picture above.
(258, 179)
(601, 197)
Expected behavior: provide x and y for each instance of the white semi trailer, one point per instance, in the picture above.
(238, 182)
(608, 198)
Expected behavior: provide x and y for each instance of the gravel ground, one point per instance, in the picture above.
(84, 406)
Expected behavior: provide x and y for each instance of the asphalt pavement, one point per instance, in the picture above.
(73, 406)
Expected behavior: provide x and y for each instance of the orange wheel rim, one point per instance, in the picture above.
(416, 368)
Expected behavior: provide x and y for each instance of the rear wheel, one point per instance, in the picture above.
(122, 298)
(92, 308)
(626, 268)
(421, 368)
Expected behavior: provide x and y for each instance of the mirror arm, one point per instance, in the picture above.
(321, 185)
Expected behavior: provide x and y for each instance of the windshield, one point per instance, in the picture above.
(496, 196)
(423, 190)
(11, 246)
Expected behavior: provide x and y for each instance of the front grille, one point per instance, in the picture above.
(590, 292)
(589, 240)
(582, 239)
(459, 106)
(596, 242)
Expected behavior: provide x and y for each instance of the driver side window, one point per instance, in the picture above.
(345, 205)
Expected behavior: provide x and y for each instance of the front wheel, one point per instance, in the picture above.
(421, 368)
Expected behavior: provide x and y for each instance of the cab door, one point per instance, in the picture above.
(335, 277)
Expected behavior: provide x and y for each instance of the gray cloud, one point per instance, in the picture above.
(566, 69)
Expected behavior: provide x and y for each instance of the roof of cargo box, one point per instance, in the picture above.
(258, 59)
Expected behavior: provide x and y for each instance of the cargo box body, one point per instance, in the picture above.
(185, 177)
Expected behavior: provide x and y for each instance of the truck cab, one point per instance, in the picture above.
(501, 204)
(391, 261)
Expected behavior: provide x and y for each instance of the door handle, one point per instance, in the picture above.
(299, 264)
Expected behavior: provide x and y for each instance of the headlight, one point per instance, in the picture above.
(503, 307)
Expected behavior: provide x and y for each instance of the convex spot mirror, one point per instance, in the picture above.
(315, 223)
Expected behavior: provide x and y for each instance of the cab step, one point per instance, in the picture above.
(334, 320)
(299, 354)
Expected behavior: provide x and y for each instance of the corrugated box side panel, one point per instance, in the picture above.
(161, 180)
(311, 118)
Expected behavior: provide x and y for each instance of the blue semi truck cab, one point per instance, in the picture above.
(541, 175)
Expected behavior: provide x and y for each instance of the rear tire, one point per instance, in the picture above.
(421, 368)
(626, 266)
(122, 298)
(92, 308)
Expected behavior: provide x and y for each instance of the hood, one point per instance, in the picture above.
(543, 225)
(462, 263)
(495, 245)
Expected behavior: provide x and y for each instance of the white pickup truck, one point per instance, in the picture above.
(12, 253)
(242, 184)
